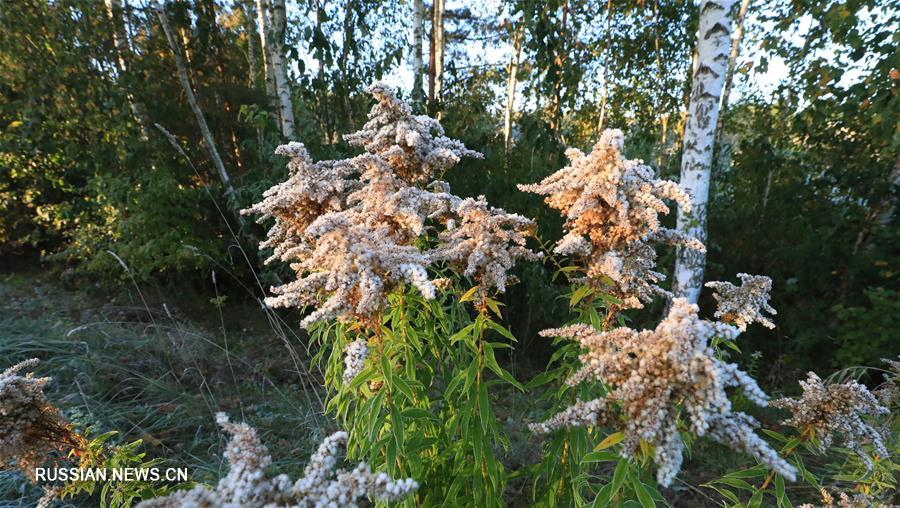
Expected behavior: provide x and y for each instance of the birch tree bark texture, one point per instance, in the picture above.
(713, 46)
(278, 19)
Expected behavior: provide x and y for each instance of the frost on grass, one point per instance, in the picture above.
(612, 207)
(834, 410)
(655, 375)
(744, 304)
(322, 485)
(349, 228)
(30, 427)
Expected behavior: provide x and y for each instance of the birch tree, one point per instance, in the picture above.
(606, 62)
(436, 54)
(416, 50)
(713, 44)
(250, 29)
(192, 99)
(275, 38)
(511, 82)
(262, 17)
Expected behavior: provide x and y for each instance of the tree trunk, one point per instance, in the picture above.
(660, 106)
(732, 61)
(416, 50)
(120, 45)
(511, 82)
(436, 54)
(713, 39)
(192, 99)
(559, 62)
(250, 28)
(277, 31)
(262, 16)
(344, 62)
(606, 61)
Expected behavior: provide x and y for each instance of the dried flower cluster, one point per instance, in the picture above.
(612, 207)
(857, 500)
(654, 373)
(744, 304)
(30, 428)
(828, 410)
(889, 391)
(485, 242)
(311, 190)
(355, 355)
(246, 485)
(348, 227)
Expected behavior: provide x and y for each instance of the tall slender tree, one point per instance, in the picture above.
(713, 45)
(416, 50)
(277, 32)
(185, 80)
(511, 82)
(436, 53)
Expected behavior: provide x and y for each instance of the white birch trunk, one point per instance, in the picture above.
(713, 44)
(438, 29)
(416, 50)
(605, 76)
(282, 88)
(262, 17)
(250, 27)
(192, 99)
(511, 82)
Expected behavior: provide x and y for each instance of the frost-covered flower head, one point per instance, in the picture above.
(830, 410)
(485, 242)
(348, 269)
(246, 485)
(348, 227)
(656, 373)
(856, 500)
(612, 207)
(30, 428)
(311, 190)
(888, 393)
(355, 355)
(414, 146)
(744, 304)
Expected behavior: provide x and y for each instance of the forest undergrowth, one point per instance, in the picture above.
(153, 364)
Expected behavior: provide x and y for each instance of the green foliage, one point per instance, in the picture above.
(423, 407)
(99, 453)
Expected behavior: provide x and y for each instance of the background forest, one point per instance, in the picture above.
(131, 138)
